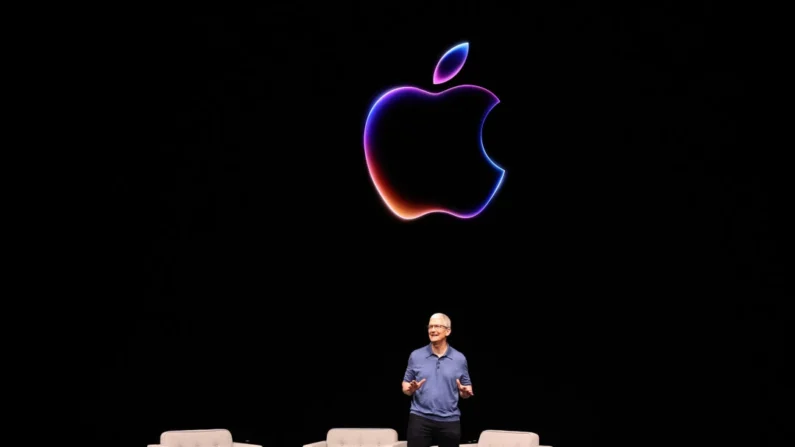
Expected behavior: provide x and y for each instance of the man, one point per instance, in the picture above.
(436, 377)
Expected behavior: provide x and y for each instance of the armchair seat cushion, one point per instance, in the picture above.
(501, 438)
(361, 437)
(199, 438)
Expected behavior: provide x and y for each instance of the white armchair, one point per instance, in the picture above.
(199, 438)
(502, 438)
(360, 437)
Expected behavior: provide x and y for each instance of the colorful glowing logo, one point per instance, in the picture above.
(382, 138)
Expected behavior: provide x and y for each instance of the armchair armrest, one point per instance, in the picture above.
(243, 444)
(316, 444)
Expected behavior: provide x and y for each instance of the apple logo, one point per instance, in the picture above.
(424, 150)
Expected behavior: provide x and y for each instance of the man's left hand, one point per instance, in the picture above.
(464, 390)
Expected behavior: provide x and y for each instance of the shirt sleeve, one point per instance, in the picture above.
(409, 375)
(465, 373)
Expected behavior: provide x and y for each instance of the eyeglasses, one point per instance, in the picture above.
(436, 326)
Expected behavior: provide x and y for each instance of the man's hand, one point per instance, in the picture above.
(410, 387)
(464, 391)
(414, 385)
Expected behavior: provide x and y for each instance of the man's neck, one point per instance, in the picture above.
(439, 348)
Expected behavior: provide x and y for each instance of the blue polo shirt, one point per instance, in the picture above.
(437, 398)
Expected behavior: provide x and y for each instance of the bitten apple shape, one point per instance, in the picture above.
(378, 129)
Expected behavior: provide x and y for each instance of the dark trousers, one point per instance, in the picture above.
(424, 432)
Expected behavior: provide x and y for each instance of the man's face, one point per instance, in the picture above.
(437, 330)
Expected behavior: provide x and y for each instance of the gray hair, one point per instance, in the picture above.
(445, 319)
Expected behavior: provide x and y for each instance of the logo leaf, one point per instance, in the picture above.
(451, 63)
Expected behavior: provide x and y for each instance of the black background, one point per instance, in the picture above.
(625, 285)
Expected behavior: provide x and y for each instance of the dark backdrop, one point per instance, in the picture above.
(623, 284)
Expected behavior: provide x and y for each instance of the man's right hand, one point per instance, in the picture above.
(414, 386)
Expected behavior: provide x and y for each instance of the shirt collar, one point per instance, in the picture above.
(429, 351)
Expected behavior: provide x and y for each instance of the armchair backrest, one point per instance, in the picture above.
(501, 438)
(196, 438)
(361, 437)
